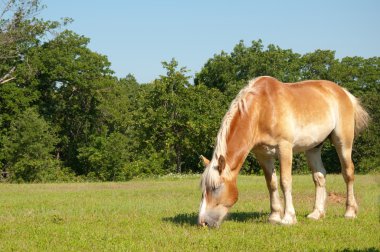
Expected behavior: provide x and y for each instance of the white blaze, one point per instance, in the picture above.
(202, 210)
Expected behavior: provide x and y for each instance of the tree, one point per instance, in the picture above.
(165, 120)
(232, 71)
(105, 158)
(69, 77)
(19, 31)
(204, 109)
(113, 153)
(318, 65)
(28, 147)
(179, 121)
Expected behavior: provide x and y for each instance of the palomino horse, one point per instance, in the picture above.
(275, 120)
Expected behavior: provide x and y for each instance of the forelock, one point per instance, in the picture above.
(211, 177)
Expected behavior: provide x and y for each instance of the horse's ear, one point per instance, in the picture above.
(221, 163)
(205, 161)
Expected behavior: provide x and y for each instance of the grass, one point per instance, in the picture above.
(160, 215)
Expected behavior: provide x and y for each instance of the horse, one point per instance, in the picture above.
(274, 120)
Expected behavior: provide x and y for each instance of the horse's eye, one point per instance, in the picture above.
(217, 189)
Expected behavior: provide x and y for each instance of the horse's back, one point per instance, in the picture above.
(304, 113)
(308, 87)
(305, 97)
(316, 97)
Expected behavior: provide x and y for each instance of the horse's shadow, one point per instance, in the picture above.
(191, 219)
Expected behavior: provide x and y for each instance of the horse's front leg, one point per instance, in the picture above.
(286, 156)
(267, 164)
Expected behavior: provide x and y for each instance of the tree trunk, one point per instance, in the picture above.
(178, 160)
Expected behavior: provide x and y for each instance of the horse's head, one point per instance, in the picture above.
(219, 192)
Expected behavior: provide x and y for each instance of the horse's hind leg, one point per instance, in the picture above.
(343, 145)
(319, 177)
(267, 164)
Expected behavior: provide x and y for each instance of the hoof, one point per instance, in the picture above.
(289, 220)
(316, 215)
(350, 215)
(275, 218)
(351, 212)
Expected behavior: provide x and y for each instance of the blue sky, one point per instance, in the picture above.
(138, 35)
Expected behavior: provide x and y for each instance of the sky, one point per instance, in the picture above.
(137, 35)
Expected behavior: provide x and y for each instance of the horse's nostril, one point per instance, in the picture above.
(203, 224)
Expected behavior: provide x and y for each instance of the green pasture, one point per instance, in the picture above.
(160, 215)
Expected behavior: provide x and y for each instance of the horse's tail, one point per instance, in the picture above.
(361, 116)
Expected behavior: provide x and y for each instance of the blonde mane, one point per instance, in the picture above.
(211, 177)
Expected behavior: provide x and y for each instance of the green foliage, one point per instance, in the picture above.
(14, 100)
(179, 121)
(105, 157)
(28, 149)
(226, 71)
(365, 152)
(69, 78)
(20, 30)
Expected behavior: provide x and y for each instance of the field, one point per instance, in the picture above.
(160, 215)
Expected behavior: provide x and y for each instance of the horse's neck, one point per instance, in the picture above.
(239, 145)
(236, 159)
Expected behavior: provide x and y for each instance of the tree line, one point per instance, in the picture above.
(65, 116)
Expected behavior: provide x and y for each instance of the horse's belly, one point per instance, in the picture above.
(266, 150)
(309, 137)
